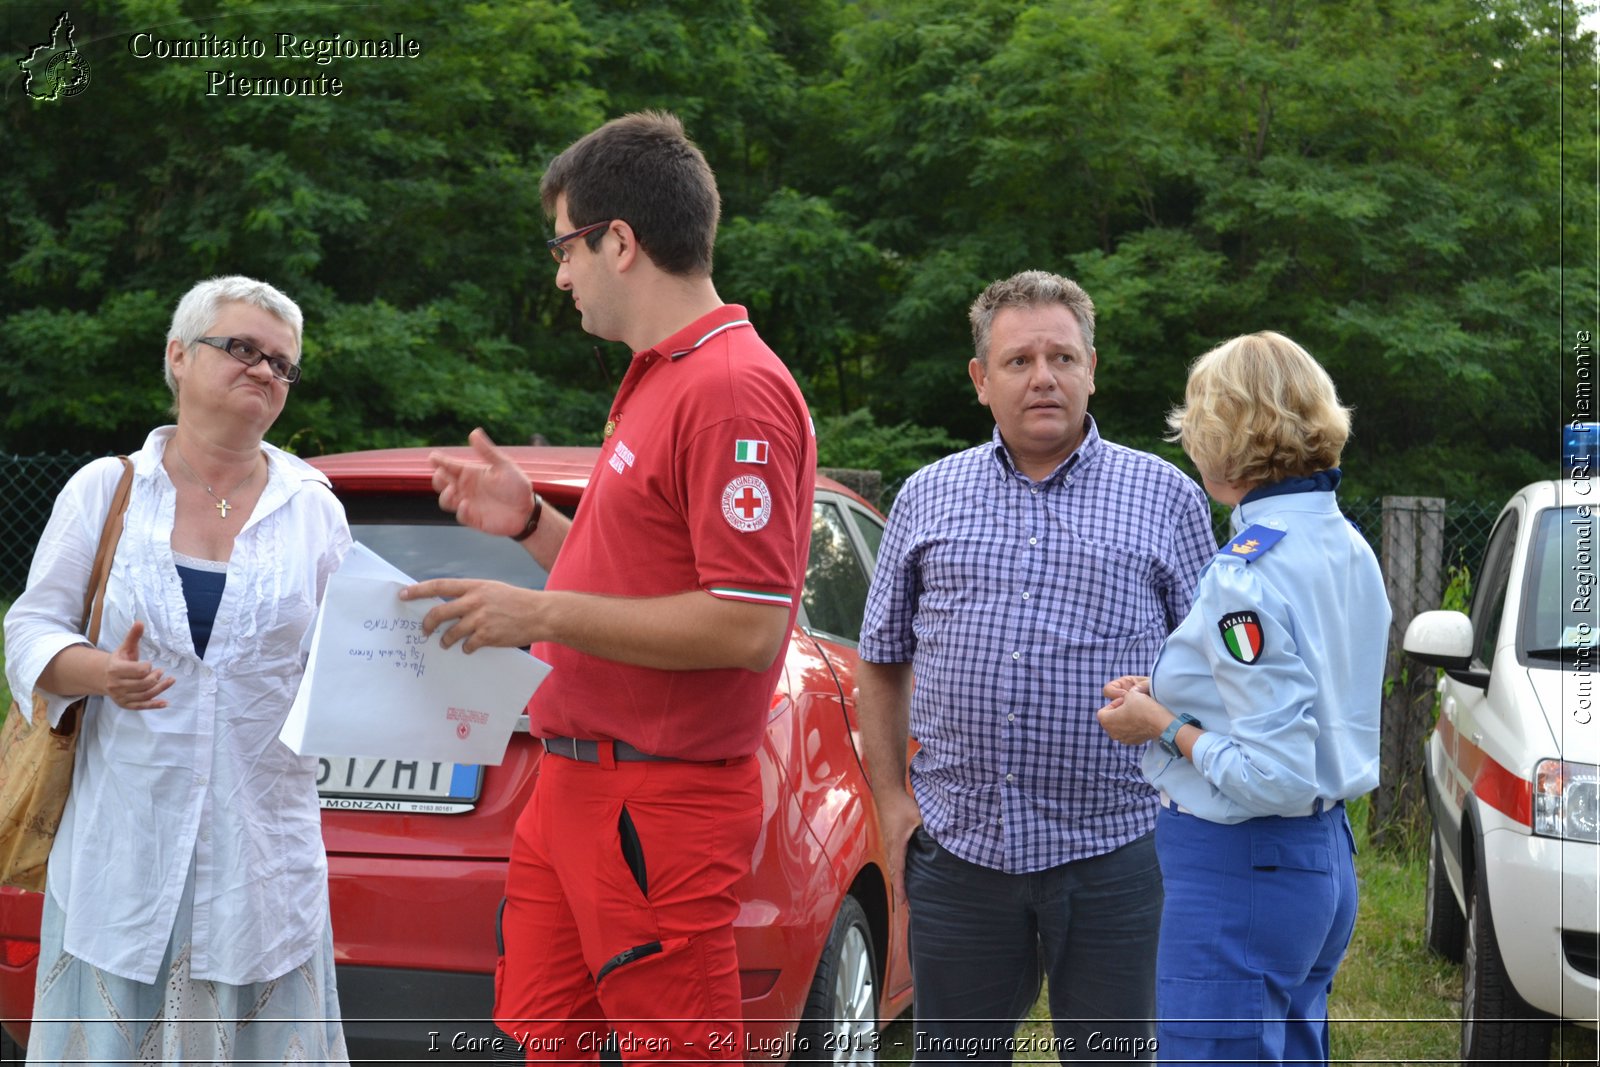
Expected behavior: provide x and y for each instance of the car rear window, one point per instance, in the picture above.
(413, 534)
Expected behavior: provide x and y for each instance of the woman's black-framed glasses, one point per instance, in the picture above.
(558, 245)
(282, 368)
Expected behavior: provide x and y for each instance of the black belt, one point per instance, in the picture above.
(620, 752)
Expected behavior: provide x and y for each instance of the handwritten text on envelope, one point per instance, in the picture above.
(374, 686)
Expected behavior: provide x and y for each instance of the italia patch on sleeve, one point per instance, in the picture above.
(750, 452)
(1241, 635)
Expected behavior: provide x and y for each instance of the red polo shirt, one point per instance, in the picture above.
(705, 482)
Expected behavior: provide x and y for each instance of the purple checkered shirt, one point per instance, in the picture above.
(1015, 601)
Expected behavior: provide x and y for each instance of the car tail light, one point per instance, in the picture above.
(1566, 800)
(17, 953)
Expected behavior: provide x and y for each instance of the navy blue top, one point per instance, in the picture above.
(202, 592)
(1321, 482)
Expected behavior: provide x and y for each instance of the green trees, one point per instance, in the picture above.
(403, 214)
(1381, 181)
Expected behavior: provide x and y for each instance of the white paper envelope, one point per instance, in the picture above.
(374, 686)
(362, 562)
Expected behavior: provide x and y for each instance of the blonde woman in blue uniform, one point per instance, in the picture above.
(1264, 708)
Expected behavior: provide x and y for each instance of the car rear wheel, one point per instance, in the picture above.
(840, 1023)
(1445, 925)
(1496, 1024)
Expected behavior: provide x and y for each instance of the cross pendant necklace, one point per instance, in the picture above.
(221, 504)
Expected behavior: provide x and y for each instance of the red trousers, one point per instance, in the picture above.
(619, 911)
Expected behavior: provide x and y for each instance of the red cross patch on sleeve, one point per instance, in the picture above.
(747, 503)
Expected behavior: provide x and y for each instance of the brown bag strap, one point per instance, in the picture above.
(94, 598)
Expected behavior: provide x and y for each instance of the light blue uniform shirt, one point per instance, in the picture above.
(1281, 659)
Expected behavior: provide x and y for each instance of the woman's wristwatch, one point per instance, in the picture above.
(1169, 737)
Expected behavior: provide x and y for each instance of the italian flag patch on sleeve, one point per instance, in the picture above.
(749, 451)
(1241, 634)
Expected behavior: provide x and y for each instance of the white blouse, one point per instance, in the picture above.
(204, 779)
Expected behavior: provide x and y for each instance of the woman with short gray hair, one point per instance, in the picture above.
(186, 906)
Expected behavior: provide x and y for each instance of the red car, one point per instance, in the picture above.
(417, 852)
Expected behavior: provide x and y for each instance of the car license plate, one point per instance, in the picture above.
(397, 785)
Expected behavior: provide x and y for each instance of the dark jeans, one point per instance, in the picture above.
(981, 940)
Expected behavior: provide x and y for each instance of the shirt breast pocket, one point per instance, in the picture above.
(1112, 589)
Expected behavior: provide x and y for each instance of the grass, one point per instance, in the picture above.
(1392, 1002)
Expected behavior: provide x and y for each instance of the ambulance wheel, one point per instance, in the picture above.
(1497, 1025)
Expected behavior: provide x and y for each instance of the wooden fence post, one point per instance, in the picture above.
(1413, 575)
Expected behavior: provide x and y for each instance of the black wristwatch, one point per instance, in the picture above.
(533, 520)
(1169, 737)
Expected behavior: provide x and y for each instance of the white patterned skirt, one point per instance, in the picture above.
(81, 1014)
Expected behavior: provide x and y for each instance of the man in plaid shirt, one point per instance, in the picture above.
(1015, 579)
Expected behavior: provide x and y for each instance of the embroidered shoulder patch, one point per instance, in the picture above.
(1241, 635)
(747, 503)
(750, 452)
(1252, 543)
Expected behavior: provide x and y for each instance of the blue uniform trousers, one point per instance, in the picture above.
(1258, 917)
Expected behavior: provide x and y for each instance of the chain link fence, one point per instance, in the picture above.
(1462, 539)
(28, 488)
(29, 484)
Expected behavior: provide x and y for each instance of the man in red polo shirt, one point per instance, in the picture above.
(671, 595)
